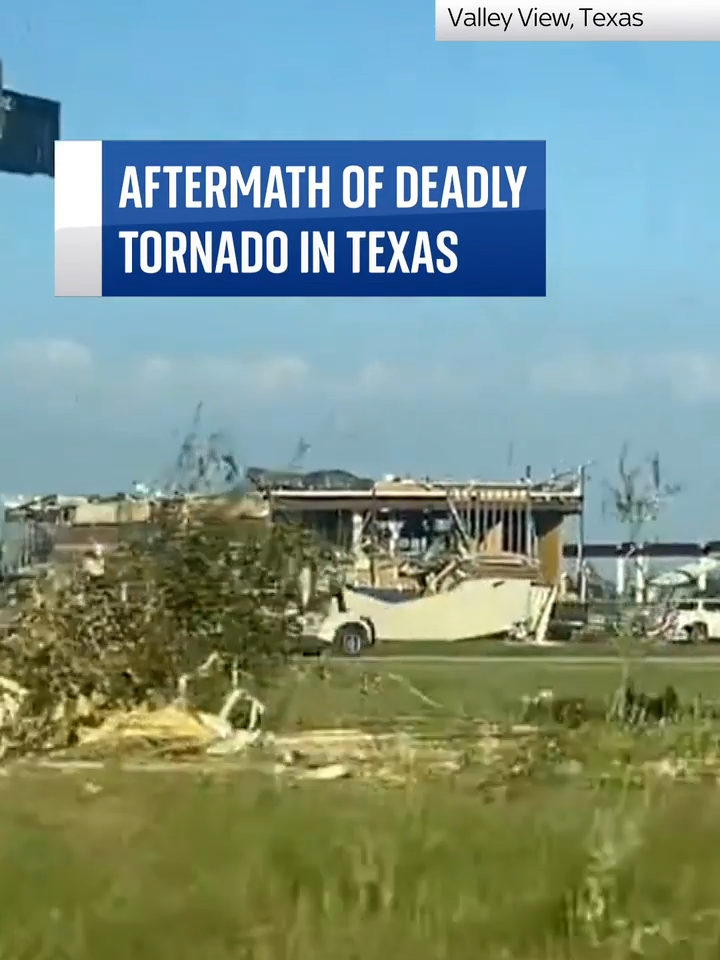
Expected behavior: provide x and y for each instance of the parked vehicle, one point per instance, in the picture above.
(696, 621)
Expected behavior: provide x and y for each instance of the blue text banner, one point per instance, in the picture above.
(295, 218)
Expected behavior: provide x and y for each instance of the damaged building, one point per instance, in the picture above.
(474, 559)
(518, 525)
(510, 526)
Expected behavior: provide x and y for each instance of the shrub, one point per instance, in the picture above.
(194, 583)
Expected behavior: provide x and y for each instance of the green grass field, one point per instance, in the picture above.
(576, 648)
(573, 854)
(492, 690)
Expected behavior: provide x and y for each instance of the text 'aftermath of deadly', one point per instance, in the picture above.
(292, 187)
(531, 18)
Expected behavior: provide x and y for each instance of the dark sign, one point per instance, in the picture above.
(29, 127)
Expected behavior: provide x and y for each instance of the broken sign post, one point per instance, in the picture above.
(29, 128)
(2, 103)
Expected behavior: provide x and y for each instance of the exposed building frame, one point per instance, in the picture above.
(520, 518)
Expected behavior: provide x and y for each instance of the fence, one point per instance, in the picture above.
(24, 545)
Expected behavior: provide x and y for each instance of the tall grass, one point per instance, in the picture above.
(179, 867)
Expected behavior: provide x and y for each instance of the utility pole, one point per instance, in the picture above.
(581, 571)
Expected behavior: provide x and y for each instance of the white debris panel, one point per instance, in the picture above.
(476, 608)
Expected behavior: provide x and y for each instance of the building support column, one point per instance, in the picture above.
(548, 524)
(358, 524)
(395, 529)
(702, 580)
(641, 576)
(620, 576)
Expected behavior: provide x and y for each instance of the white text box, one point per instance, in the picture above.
(652, 20)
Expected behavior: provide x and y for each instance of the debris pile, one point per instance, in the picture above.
(171, 730)
(108, 667)
(194, 590)
(324, 755)
(489, 757)
(146, 735)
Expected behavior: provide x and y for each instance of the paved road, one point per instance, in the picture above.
(545, 659)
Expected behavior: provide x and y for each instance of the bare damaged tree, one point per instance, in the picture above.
(204, 463)
(639, 495)
(297, 460)
(637, 498)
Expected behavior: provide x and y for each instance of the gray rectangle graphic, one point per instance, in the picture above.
(78, 262)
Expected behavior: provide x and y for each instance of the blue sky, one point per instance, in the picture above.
(625, 347)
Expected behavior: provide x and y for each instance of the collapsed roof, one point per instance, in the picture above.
(264, 479)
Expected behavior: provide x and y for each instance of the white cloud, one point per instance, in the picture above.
(61, 356)
(40, 366)
(61, 371)
(690, 376)
(266, 377)
(65, 372)
(47, 364)
(584, 374)
(381, 380)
